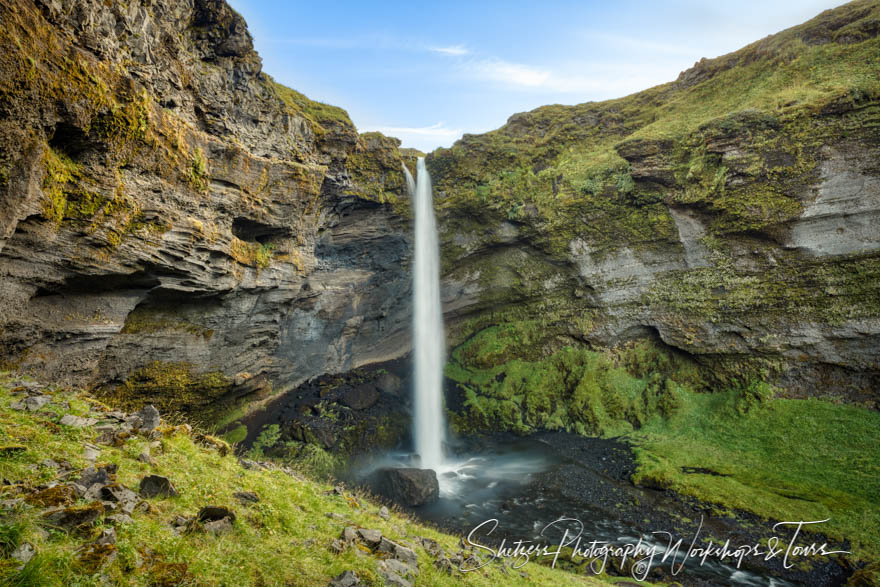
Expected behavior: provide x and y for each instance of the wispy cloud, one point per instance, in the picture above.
(516, 74)
(454, 50)
(591, 80)
(424, 138)
(435, 130)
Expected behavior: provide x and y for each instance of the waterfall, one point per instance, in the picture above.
(429, 342)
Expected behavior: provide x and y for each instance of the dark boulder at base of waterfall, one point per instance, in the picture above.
(409, 487)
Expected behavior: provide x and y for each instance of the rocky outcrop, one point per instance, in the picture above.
(738, 232)
(175, 227)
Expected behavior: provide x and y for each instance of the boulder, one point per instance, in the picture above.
(157, 486)
(408, 486)
(389, 383)
(360, 397)
(346, 579)
(74, 518)
(246, 497)
(77, 421)
(212, 513)
(149, 419)
(35, 402)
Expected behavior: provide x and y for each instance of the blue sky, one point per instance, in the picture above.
(426, 73)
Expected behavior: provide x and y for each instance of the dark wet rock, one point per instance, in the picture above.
(410, 487)
(361, 396)
(74, 518)
(212, 513)
(389, 383)
(125, 498)
(246, 497)
(346, 579)
(157, 486)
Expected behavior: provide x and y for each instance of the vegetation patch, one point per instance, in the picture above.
(781, 459)
(292, 525)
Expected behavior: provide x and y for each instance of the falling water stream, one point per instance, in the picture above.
(429, 429)
(497, 480)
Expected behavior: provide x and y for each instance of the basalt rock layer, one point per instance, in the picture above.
(176, 227)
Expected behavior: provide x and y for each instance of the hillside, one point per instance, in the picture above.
(74, 510)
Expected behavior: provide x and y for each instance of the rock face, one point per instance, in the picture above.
(174, 226)
(742, 236)
(177, 229)
(408, 486)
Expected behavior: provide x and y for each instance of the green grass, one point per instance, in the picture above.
(282, 540)
(784, 459)
(781, 459)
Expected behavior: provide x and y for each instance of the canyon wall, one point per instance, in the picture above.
(176, 227)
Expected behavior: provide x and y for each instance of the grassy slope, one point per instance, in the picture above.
(564, 160)
(283, 539)
(778, 458)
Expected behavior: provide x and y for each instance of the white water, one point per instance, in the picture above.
(429, 428)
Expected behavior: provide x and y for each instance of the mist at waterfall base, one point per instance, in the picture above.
(514, 480)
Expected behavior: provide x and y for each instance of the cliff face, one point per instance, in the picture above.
(173, 224)
(177, 228)
(729, 218)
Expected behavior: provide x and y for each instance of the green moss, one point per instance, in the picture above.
(510, 383)
(173, 387)
(61, 173)
(197, 174)
(236, 435)
(376, 167)
(148, 321)
(322, 116)
(829, 291)
(258, 255)
(562, 164)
